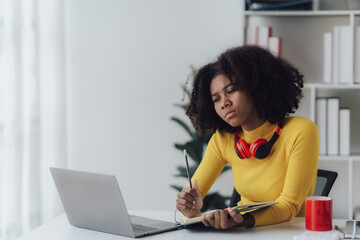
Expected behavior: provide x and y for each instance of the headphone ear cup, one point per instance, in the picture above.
(263, 151)
(243, 149)
(256, 146)
(238, 150)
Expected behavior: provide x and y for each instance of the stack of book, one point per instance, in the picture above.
(333, 124)
(261, 36)
(338, 55)
(266, 5)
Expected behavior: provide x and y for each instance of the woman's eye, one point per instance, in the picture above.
(215, 100)
(231, 91)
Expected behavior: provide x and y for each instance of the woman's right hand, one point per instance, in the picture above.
(189, 201)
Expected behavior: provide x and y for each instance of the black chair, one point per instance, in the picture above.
(324, 182)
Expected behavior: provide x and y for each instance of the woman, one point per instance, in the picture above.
(245, 98)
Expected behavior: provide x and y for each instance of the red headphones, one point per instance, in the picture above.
(259, 149)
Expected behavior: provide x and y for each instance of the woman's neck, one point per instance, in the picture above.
(255, 123)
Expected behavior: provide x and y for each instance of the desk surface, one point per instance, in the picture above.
(60, 229)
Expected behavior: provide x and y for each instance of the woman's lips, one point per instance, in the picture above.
(229, 114)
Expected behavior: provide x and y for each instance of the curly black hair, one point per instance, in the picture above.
(272, 83)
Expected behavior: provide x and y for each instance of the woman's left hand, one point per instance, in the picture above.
(223, 219)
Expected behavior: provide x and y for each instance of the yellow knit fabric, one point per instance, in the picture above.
(287, 175)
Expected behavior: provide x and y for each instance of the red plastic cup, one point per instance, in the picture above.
(318, 213)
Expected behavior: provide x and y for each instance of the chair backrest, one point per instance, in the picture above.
(324, 182)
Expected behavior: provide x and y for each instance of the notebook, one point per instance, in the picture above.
(239, 209)
(94, 201)
(314, 235)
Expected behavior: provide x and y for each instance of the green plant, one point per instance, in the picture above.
(195, 149)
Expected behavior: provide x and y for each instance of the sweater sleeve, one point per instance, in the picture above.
(211, 165)
(300, 177)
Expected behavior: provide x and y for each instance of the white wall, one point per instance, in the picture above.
(126, 60)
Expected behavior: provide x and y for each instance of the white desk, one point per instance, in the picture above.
(60, 229)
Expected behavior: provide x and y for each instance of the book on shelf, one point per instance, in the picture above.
(264, 36)
(335, 54)
(357, 55)
(345, 55)
(327, 57)
(321, 123)
(344, 131)
(239, 209)
(333, 104)
(251, 33)
(275, 46)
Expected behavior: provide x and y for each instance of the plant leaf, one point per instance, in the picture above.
(215, 201)
(183, 106)
(185, 127)
(186, 91)
(182, 172)
(177, 188)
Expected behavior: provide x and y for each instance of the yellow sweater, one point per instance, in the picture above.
(287, 175)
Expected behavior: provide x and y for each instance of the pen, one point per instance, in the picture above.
(339, 229)
(187, 167)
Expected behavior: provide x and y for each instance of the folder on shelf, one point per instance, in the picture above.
(344, 131)
(327, 57)
(263, 5)
(345, 54)
(336, 54)
(320, 120)
(333, 125)
(357, 55)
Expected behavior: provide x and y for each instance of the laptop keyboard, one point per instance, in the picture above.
(142, 229)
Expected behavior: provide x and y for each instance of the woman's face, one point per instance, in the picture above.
(233, 105)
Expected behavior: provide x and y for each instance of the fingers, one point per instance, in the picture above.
(195, 188)
(189, 200)
(186, 202)
(235, 217)
(195, 185)
(205, 221)
(217, 219)
(222, 219)
(186, 195)
(183, 202)
(209, 219)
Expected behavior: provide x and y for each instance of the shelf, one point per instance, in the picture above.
(332, 85)
(339, 157)
(302, 13)
(303, 45)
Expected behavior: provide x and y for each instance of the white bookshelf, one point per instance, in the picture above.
(302, 13)
(302, 45)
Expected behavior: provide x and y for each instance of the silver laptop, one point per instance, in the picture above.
(94, 201)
